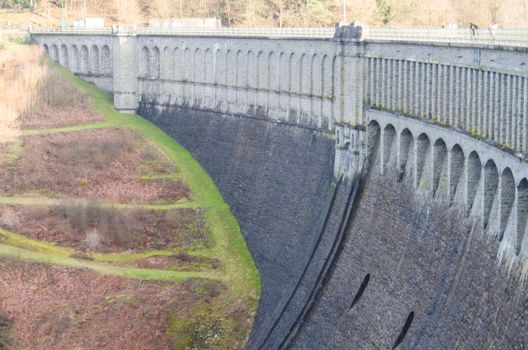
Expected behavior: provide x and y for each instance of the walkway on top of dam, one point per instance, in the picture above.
(514, 37)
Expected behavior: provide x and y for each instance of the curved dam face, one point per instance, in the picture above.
(409, 270)
(279, 182)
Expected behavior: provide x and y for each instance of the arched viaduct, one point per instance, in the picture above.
(278, 116)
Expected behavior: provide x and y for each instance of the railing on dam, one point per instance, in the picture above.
(505, 37)
(517, 37)
(222, 32)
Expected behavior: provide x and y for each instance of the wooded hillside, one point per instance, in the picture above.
(508, 13)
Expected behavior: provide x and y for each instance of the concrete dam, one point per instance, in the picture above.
(378, 175)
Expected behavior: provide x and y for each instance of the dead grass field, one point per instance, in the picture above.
(107, 164)
(53, 307)
(87, 188)
(91, 228)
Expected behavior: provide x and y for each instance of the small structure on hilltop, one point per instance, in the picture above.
(191, 22)
(97, 22)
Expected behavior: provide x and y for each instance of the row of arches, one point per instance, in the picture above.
(457, 173)
(303, 74)
(492, 104)
(91, 60)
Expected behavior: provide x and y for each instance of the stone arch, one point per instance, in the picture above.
(507, 198)
(373, 137)
(262, 79)
(272, 83)
(64, 59)
(156, 63)
(406, 152)
(106, 61)
(220, 67)
(46, 49)
(491, 184)
(166, 67)
(388, 155)
(209, 73)
(455, 170)
(439, 167)
(251, 70)
(144, 64)
(239, 69)
(230, 68)
(304, 74)
(84, 59)
(423, 150)
(473, 175)
(198, 66)
(522, 214)
(95, 65)
(187, 74)
(74, 59)
(284, 83)
(316, 78)
(176, 65)
(54, 53)
(327, 76)
(294, 76)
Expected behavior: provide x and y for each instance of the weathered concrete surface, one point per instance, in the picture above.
(421, 257)
(277, 179)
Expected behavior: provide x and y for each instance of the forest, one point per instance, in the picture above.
(292, 13)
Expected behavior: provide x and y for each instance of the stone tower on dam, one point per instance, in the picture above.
(379, 176)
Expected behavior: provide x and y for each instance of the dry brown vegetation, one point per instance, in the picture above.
(180, 262)
(91, 228)
(49, 306)
(106, 164)
(34, 96)
(53, 307)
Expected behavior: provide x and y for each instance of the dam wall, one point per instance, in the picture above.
(281, 199)
(379, 177)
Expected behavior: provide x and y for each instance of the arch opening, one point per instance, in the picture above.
(474, 173)
(491, 184)
(373, 136)
(389, 159)
(84, 59)
(63, 60)
(439, 168)
(106, 61)
(507, 197)
(456, 170)
(95, 60)
(522, 214)
(406, 152)
(423, 146)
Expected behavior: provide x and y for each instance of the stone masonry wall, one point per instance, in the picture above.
(277, 180)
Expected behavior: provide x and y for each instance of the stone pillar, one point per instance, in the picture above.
(125, 65)
(350, 75)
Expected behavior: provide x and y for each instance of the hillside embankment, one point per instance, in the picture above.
(111, 235)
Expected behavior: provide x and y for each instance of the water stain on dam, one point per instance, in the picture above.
(410, 272)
